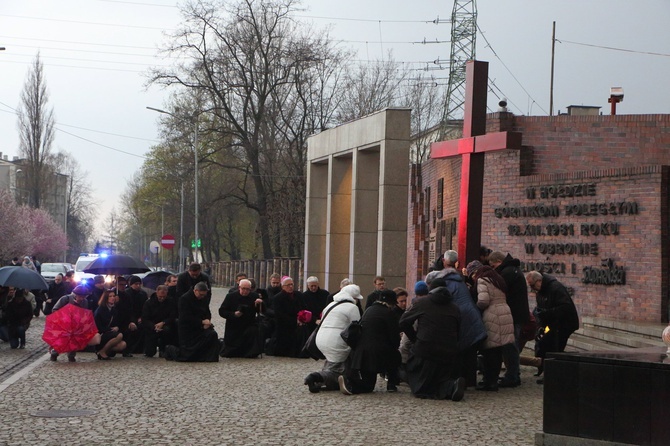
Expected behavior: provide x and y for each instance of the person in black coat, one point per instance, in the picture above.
(188, 279)
(380, 285)
(16, 320)
(198, 341)
(96, 292)
(130, 306)
(159, 322)
(288, 337)
(107, 321)
(433, 365)
(316, 300)
(57, 289)
(555, 310)
(275, 285)
(241, 337)
(377, 350)
(509, 269)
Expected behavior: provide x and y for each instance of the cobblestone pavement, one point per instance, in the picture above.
(241, 402)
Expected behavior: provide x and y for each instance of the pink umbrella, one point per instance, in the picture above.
(69, 329)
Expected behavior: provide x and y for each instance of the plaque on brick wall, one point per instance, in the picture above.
(431, 248)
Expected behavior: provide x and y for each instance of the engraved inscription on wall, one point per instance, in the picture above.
(561, 232)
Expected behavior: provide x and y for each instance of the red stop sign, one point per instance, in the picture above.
(167, 241)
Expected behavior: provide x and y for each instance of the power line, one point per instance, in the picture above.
(83, 51)
(101, 145)
(45, 57)
(81, 22)
(350, 19)
(139, 3)
(488, 44)
(16, 112)
(74, 66)
(614, 49)
(80, 43)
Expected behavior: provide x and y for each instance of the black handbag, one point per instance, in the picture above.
(352, 334)
(310, 349)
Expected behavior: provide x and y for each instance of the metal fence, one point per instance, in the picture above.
(223, 273)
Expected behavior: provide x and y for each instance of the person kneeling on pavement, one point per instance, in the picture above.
(16, 319)
(377, 350)
(433, 365)
(78, 298)
(339, 314)
(198, 342)
(159, 317)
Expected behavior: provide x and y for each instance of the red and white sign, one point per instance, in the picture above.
(167, 241)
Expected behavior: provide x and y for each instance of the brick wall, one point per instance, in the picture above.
(619, 159)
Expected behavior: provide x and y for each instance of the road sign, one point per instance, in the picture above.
(167, 241)
(154, 247)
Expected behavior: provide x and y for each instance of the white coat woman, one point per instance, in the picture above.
(336, 317)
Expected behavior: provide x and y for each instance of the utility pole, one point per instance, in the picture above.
(551, 86)
(463, 46)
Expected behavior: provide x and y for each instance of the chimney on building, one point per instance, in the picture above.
(616, 96)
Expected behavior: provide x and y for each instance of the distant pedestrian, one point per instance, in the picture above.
(27, 263)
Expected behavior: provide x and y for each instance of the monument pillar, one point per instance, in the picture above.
(356, 218)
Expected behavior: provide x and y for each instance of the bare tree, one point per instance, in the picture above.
(247, 60)
(371, 87)
(425, 96)
(36, 130)
(81, 208)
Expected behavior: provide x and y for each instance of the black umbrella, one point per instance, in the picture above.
(116, 264)
(20, 277)
(155, 278)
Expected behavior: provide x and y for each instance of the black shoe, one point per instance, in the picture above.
(508, 383)
(22, 346)
(103, 358)
(71, 357)
(127, 355)
(54, 355)
(540, 381)
(459, 389)
(487, 387)
(312, 381)
(392, 388)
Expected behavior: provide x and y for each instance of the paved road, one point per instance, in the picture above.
(240, 402)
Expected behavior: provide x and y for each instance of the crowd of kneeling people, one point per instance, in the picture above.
(458, 322)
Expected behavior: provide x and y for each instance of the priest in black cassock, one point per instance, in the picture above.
(198, 342)
(288, 337)
(316, 300)
(239, 308)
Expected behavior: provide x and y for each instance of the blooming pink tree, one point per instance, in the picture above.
(48, 240)
(27, 231)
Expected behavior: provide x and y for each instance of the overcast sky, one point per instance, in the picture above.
(95, 54)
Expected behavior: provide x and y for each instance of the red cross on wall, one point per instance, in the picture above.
(472, 147)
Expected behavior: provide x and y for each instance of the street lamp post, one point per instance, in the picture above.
(162, 225)
(194, 121)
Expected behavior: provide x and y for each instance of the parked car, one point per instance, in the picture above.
(51, 270)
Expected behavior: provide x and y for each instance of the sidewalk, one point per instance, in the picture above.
(242, 402)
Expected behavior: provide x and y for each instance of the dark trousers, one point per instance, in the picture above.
(15, 335)
(158, 340)
(134, 340)
(492, 363)
(468, 365)
(363, 381)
